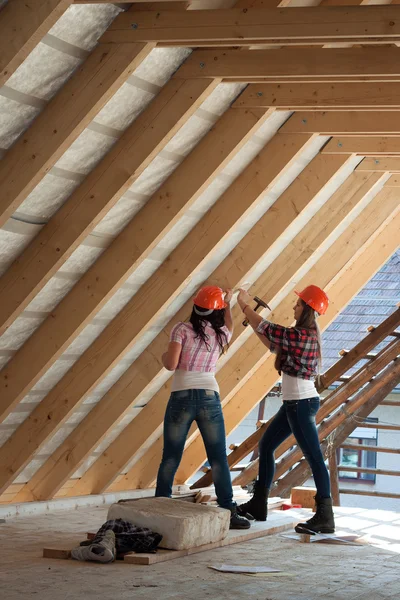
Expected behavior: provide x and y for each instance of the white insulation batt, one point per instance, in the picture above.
(26, 94)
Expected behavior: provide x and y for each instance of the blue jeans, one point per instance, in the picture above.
(297, 417)
(204, 407)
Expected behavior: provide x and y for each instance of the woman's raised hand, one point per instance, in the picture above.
(243, 298)
(228, 295)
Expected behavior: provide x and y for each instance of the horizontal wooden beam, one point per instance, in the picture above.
(23, 23)
(380, 426)
(344, 123)
(366, 470)
(287, 63)
(370, 493)
(322, 96)
(363, 145)
(370, 448)
(380, 164)
(235, 26)
(389, 403)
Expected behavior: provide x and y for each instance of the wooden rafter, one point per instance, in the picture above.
(242, 368)
(115, 265)
(23, 23)
(380, 164)
(253, 247)
(64, 119)
(159, 290)
(287, 63)
(235, 26)
(111, 408)
(103, 187)
(322, 96)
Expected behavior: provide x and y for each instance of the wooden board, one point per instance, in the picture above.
(276, 523)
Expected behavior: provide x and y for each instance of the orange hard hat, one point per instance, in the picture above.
(315, 297)
(211, 297)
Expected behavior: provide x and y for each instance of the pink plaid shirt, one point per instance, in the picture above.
(194, 355)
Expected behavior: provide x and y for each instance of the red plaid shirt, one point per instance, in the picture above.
(299, 348)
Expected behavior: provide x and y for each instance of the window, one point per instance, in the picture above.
(349, 457)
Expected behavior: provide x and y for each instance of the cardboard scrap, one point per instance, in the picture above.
(247, 570)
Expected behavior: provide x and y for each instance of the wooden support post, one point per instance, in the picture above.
(23, 23)
(64, 119)
(333, 471)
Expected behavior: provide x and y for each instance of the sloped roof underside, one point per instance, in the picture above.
(25, 95)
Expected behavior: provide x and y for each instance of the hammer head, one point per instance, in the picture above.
(261, 302)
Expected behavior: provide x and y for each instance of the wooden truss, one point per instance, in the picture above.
(347, 94)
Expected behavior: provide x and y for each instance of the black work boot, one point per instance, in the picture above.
(238, 522)
(323, 520)
(257, 507)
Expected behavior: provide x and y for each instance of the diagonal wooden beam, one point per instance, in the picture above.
(235, 26)
(234, 413)
(64, 119)
(367, 344)
(329, 407)
(375, 392)
(103, 187)
(287, 63)
(115, 265)
(253, 247)
(363, 145)
(322, 96)
(23, 23)
(243, 363)
(154, 296)
(343, 123)
(128, 390)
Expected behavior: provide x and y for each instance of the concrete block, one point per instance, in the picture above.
(183, 525)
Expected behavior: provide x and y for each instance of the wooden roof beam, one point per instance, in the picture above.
(64, 119)
(126, 252)
(286, 62)
(155, 295)
(277, 277)
(23, 23)
(103, 187)
(252, 248)
(344, 123)
(322, 96)
(235, 26)
(127, 391)
(375, 145)
(380, 164)
(350, 276)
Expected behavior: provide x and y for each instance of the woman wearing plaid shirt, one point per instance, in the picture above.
(298, 357)
(192, 354)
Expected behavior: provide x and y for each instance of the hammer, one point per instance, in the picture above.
(259, 303)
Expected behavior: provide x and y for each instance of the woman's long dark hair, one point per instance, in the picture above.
(217, 320)
(307, 320)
